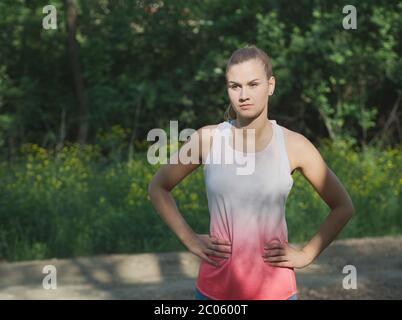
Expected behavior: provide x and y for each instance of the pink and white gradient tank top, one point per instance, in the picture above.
(249, 211)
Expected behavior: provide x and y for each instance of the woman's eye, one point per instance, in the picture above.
(254, 84)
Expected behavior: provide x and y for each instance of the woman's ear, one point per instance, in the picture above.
(271, 85)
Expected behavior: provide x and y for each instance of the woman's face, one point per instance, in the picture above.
(249, 88)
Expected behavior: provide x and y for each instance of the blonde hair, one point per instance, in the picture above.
(244, 54)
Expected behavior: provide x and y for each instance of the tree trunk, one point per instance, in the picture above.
(75, 65)
(62, 134)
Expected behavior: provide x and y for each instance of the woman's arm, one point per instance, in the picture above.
(159, 190)
(325, 182)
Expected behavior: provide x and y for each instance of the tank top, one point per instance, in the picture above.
(249, 211)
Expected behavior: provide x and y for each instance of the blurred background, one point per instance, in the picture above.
(77, 102)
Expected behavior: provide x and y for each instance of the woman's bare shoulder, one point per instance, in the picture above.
(296, 144)
(292, 137)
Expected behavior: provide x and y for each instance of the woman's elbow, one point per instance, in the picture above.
(152, 187)
(349, 209)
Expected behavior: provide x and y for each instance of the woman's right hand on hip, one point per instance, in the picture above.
(203, 246)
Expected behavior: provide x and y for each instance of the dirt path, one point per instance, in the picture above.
(378, 262)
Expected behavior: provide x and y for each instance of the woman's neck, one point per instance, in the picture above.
(259, 124)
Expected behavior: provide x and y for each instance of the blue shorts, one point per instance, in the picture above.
(200, 296)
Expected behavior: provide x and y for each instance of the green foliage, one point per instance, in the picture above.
(72, 202)
(140, 59)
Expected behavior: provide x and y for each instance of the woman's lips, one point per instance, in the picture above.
(246, 106)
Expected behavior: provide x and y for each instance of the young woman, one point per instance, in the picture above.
(246, 255)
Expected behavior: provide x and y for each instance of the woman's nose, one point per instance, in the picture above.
(243, 94)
